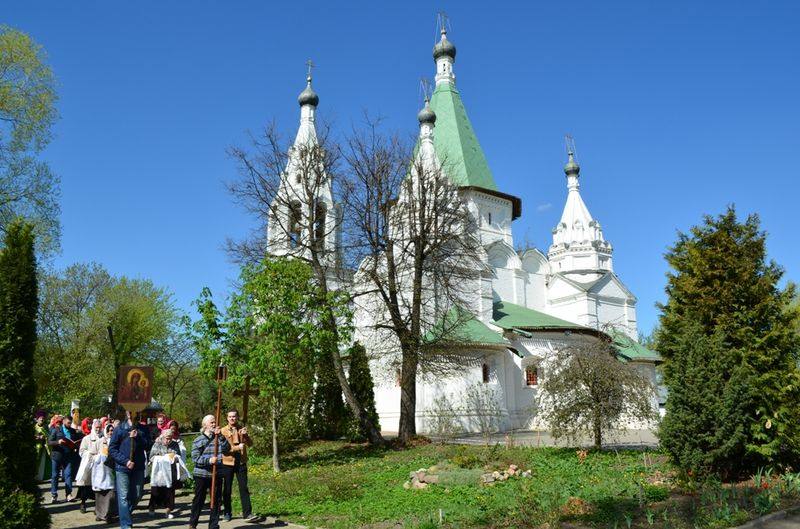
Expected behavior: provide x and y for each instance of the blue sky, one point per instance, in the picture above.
(677, 108)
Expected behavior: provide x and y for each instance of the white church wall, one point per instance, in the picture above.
(493, 215)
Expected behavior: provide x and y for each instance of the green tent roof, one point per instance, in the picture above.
(460, 326)
(510, 316)
(455, 141)
(633, 350)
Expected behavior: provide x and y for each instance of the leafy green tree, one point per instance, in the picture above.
(74, 356)
(271, 333)
(727, 335)
(19, 498)
(28, 188)
(360, 379)
(589, 390)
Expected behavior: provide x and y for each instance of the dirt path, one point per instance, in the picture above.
(68, 515)
(790, 522)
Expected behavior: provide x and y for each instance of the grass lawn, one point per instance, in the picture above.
(339, 485)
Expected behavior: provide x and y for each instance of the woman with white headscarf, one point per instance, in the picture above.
(103, 481)
(90, 447)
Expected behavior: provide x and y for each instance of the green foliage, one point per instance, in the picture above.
(271, 333)
(19, 500)
(327, 415)
(74, 357)
(360, 379)
(590, 391)
(728, 337)
(27, 112)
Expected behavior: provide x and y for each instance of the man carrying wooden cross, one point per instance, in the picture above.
(239, 439)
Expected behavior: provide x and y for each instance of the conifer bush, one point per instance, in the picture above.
(20, 502)
(361, 382)
(727, 335)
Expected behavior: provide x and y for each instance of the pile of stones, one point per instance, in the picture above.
(422, 478)
(490, 478)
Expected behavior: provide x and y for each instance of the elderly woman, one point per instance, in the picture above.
(90, 448)
(103, 483)
(165, 452)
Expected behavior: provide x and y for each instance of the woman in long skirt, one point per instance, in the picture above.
(103, 481)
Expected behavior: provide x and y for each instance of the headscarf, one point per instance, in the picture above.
(55, 419)
(106, 426)
(93, 435)
(85, 428)
(177, 434)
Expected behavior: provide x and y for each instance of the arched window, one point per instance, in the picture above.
(485, 371)
(295, 218)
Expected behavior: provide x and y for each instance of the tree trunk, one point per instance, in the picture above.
(115, 392)
(598, 433)
(408, 397)
(276, 464)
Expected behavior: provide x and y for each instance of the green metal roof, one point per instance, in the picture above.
(458, 326)
(456, 143)
(633, 350)
(510, 316)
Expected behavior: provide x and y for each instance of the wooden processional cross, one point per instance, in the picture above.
(245, 394)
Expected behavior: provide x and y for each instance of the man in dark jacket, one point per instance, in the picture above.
(61, 450)
(204, 463)
(129, 471)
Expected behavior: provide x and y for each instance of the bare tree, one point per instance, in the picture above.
(590, 389)
(289, 190)
(419, 253)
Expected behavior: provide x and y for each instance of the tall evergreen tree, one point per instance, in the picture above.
(19, 497)
(727, 337)
(360, 379)
(327, 414)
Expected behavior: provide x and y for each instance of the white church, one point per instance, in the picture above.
(530, 303)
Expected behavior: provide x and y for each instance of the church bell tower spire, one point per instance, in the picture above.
(578, 242)
(444, 54)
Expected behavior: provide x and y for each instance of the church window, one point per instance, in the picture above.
(485, 372)
(295, 216)
(532, 375)
(490, 217)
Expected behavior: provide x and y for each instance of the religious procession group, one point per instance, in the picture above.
(110, 459)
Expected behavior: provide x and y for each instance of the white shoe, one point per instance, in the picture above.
(170, 516)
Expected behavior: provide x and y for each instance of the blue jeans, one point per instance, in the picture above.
(130, 488)
(64, 463)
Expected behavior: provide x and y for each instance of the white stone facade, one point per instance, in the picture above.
(573, 281)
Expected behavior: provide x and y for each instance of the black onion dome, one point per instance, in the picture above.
(308, 96)
(426, 115)
(572, 167)
(444, 48)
